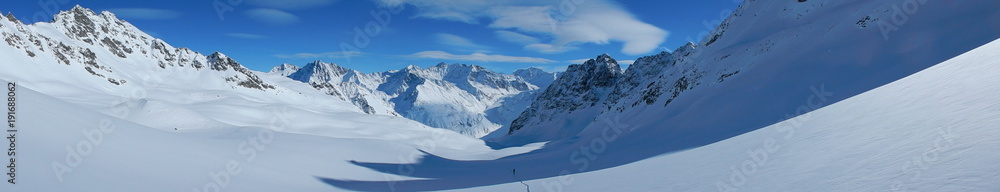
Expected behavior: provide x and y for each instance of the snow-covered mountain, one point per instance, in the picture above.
(582, 86)
(284, 69)
(468, 99)
(536, 76)
(105, 63)
(113, 51)
(750, 71)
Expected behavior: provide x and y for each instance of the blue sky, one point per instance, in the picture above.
(499, 35)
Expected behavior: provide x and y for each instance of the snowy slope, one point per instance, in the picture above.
(744, 74)
(932, 131)
(468, 99)
(65, 147)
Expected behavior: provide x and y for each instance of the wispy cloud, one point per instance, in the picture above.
(332, 55)
(291, 4)
(550, 48)
(456, 41)
(592, 21)
(481, 57)
(515, 37)
(145, 13)
(625, 62)
(272, 16)
(245, 36)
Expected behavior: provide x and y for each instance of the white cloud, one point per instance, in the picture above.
(549, 48)
(454, 10)
(515, 37)
(625, 62)
(144, 13)
(272, 16)
(245, 36)
(333, 55)
(291, 4)
(457, 41)
(481, 57)
(562, 23)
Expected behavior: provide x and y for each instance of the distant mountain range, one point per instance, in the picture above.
(468, 99)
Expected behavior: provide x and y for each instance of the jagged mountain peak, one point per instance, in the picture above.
(604, 56)
(410, 68)
(320, 65)
(75, 14)
(78, 7)
(10, 17)
(319, 72)
(217, 56)
(580, 86)
(86, 16)
(442, 64)
(220, 62)
(603, 63)
(602, 67)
